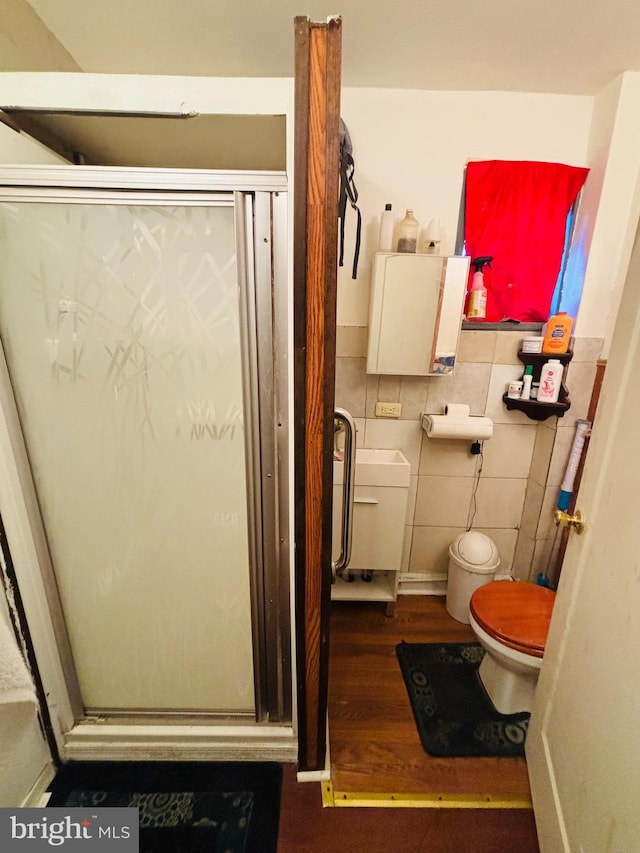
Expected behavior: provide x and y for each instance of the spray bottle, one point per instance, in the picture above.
(477, 305)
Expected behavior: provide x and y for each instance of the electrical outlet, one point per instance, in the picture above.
(388, 410)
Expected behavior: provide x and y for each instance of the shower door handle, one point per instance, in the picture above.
(344, 418)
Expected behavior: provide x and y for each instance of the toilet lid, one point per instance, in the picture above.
(516, 614)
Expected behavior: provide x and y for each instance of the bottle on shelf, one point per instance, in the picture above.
(432, 238)
(408, 233)
(548, 395)
(385, 243)
(527, 379)
(557, 334)
(550, 381)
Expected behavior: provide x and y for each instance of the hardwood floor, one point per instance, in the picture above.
(374, 741)
(375, 748)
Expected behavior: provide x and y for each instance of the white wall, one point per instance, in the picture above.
(610, 208)
(20, 148)
(411, 146)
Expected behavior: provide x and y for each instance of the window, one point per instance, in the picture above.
(520, 213)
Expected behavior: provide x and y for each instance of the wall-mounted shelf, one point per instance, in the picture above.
(532, 408)
(381, 587)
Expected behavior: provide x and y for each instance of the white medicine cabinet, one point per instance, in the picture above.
(415, 314)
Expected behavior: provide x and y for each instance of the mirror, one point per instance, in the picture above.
(415, 313)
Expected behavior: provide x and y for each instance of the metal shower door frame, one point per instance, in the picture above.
(261, 213)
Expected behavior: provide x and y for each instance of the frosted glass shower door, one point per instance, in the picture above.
(122, 332)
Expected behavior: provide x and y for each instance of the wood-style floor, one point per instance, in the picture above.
(374, 742)
(375, 749)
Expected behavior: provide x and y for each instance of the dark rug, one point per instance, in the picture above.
(453, 713)
(183, 807)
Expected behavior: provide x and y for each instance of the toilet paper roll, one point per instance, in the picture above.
(456, 410)
(473, 428)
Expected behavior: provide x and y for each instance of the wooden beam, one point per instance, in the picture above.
(317, 113)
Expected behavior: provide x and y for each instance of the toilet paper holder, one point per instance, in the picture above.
(457, 423)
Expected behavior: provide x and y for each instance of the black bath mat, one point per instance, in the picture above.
(184, 807)
(454, 715)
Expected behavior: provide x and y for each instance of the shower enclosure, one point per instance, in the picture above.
(145, 415)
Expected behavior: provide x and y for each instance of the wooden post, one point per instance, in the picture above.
(316, 184)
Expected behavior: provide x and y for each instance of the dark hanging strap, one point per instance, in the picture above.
(349, 190)
(342, 209)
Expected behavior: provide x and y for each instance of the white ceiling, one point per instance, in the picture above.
(560, 46)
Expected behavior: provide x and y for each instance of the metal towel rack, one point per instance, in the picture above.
(346, 421)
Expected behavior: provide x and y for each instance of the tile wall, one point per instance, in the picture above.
(522, 465)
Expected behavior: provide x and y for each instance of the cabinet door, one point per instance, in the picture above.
(378, 526)
(415, 313)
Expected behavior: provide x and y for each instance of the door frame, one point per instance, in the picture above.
(185, 736)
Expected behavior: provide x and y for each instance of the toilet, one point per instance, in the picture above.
(511, 621)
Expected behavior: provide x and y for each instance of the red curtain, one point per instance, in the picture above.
(516, 211)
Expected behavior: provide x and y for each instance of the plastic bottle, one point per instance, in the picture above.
(557, 334)
(477, 305)
(550, 381)
(432, 238)
(408, 233)
(386, 230)
(527, 379)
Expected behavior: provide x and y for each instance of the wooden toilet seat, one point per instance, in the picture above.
(516, 614)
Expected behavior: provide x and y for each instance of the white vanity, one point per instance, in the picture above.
(381, 491)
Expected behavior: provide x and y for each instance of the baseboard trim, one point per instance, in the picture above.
(38, 796)
(412, 583)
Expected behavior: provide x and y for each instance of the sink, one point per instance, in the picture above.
(376, 467)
